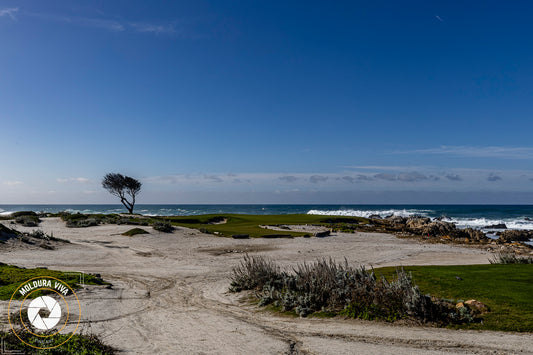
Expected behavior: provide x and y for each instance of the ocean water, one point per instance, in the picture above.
(474, 216)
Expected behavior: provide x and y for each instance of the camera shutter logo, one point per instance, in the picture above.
(44, 302)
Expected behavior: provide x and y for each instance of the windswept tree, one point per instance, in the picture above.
(120, 186)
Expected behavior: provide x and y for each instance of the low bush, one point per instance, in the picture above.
(510, 258)
(134, 231)
(78, 344)
(325, 286)
(163, 227)
(39, 234)
(28, 220)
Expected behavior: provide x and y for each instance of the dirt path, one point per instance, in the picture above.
(170, 294)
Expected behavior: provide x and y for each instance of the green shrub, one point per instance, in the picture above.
(340, 288)
(28, 220)
(163, 227)
(78, 344)
(134, 231)
(510, 258)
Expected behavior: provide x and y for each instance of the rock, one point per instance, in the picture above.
(475, 235)
(417, 222)
(496, 226)
(459, 305)
(515, 236)
(396, 220)
(374, 216)
(322, 234)
(477, 307)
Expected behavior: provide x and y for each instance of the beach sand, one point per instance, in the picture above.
(170, 293)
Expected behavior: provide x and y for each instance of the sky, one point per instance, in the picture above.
(334, 102)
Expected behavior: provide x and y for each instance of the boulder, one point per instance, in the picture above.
(477, 307)
(496, 226)
(322, 234)
(512, 235)
(417, 222)
(397, 220)
(475, 235)
(374, 216)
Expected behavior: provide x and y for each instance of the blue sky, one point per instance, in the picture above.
(267, 101)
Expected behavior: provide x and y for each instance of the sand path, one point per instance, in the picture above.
(170, 294)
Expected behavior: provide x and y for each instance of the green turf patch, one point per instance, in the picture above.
(506, 289)
(11, 277)
(135, 231)
(240, 224)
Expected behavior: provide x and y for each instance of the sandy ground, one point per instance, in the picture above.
(170, 295)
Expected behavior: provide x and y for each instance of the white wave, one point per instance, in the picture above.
(6, 213)
(368, 213)
(483, 223)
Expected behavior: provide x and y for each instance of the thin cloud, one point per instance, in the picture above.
(288, 178)
(439, 18)
(494, 177)
(479, 152)
(10, 12)
(315, 179)
(213, 178)
(380, 167)
(453, 177)
(385, 176)
(413, 176)
(153, 28)
(13, 183)
(80, 180)
(355, 179)
(98, 23)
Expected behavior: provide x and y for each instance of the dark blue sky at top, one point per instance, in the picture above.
(227, 97)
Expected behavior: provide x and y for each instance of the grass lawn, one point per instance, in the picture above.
(249, 224)
(506, 289)
(11, 277)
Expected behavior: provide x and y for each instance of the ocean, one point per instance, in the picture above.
(474, 216)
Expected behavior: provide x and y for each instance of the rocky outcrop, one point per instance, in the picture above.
(426, 227)
(478, 308)
(474, 235)
(509, 236)
(496, 226)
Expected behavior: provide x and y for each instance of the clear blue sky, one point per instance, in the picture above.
(267, 101)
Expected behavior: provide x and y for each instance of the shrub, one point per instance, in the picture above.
(134, 231)
(510, 258)
(254, 272)
(82, 223)
(339, 288)
(39, 234)
(163, 227)
(28, 220)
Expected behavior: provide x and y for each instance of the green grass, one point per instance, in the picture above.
(11, 277)
(506, 289)
(249, 224)
(79, 344)
(134, 231)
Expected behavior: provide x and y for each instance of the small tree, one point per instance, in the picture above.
(120, 185)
